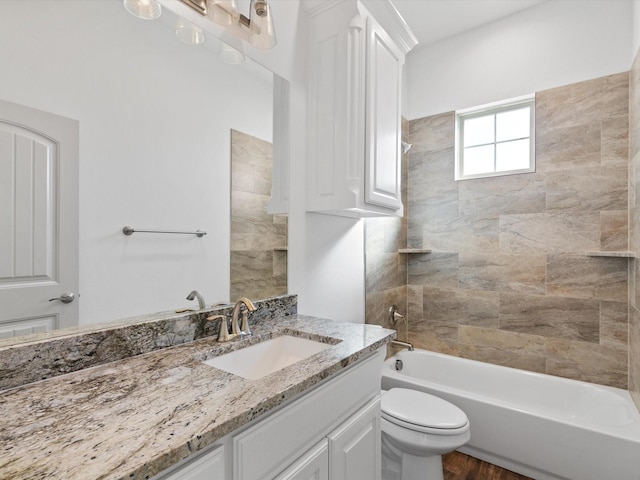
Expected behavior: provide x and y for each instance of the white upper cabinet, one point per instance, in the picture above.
(356, 54)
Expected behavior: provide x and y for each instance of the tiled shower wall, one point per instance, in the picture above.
(634, 237)
(258, 240)
(508, 281)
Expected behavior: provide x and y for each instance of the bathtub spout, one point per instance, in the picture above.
(398, 343)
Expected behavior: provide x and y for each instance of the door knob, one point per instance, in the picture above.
(66, 297)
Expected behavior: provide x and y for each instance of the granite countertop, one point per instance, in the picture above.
(135, 417)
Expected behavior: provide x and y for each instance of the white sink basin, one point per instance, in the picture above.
(263, 358)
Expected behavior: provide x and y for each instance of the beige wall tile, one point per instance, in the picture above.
(383, 272)
(569, 147)
(436, 269)
(567, 318)
(503, 273)
(578, 276)
(588, 189)
(434, 133)
(378, 303)
(431, 177)
(435, 337)
(634, 234)
(252, 275)
(614, 324)
(614, 232)
(490, 197)
(634, 230)
(634, 113)
(414, 303)
(462, 234)
(582, 103)
(615, 142)
(443, 306)
(587, 362)
(502, 348)
(483, 309)
(634, 354)
(562, 232)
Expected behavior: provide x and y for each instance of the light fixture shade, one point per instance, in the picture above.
(144, 9)
(189, 33)
(263, 34)
(230, 55)
(223, 12)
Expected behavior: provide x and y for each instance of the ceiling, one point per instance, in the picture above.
(435, 20)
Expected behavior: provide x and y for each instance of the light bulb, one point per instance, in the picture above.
(223, 12)
(263, 34)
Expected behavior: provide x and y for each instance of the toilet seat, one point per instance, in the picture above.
(422, 412)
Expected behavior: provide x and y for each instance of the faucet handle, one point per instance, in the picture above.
(244, 324)
(223, 334)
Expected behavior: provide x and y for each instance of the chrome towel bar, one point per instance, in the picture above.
(128, 230)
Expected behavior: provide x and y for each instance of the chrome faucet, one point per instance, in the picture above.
(196, 294)
(244, 327)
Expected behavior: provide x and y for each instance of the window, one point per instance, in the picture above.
(494, 140)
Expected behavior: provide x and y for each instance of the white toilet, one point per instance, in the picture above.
(417, 429)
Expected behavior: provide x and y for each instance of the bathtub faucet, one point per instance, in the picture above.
(407, 345)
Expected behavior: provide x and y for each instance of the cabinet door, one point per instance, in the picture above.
(209, 466)
(383, 126)
(355, 447)
(313, 465)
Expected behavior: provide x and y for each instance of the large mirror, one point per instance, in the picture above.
(155, 117)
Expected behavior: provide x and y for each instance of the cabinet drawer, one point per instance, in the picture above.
(264, 450)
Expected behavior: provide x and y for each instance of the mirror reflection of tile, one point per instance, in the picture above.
(258, 240)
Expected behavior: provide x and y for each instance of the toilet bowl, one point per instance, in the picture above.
(417, 429)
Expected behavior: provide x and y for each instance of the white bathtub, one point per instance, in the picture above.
(538, 425)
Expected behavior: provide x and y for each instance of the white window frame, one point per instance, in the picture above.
(492, 109)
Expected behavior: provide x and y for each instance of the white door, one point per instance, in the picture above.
(38, 220)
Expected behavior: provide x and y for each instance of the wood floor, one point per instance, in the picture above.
(458, 466)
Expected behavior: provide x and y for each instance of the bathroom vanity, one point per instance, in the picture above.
(168, 415)
(332, 432)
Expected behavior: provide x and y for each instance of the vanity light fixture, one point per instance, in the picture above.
(262, 33)
(144, 9)
(259, 24)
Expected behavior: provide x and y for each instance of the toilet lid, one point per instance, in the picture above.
(421, 409)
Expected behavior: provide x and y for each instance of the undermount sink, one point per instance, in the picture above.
(261, 359)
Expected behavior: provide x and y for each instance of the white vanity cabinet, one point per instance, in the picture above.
(313, 465)
(355, 447)
(337, 410)
(207, 466)
(331, 432)
(351, 452)
(357, 51)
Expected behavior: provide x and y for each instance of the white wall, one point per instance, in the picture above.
(155, 117)
(555, 43)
